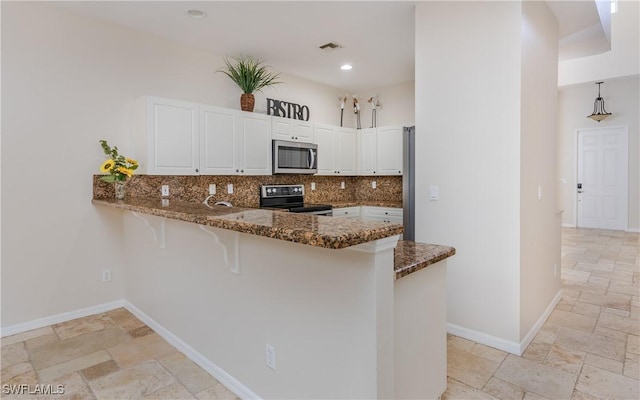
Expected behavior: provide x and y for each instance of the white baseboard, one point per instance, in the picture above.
(502, 344)
(540, 322)
(59, 318)
(483, 338)
(568, 225)
(636, 230)
(221, 375)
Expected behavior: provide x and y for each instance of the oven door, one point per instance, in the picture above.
(294, 157)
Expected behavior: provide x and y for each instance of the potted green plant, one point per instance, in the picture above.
(251, 75)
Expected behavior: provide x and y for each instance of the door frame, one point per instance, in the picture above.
(576, 149)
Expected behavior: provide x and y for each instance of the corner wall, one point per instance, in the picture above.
(468, 102)
(539, 218)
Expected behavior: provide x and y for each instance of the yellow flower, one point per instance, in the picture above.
(125, 171)
(131, 161)
(107, 166)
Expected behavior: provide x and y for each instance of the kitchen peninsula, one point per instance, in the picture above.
(224, 282)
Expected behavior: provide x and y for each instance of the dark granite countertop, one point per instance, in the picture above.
(410, 257)
(312, 230)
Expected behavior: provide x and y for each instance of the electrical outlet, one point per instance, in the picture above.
(106, 275)
(165, 190)
(165, 202)
(230, 188)
(313, 186)
(374, 184)
(212, 188)
(271, 357)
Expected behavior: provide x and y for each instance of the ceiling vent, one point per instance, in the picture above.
(330, 46)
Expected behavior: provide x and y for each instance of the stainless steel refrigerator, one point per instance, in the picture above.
(409, 183)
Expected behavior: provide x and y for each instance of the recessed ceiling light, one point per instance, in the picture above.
(197, 13)
(346, 67)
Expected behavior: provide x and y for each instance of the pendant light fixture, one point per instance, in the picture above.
(599, 113)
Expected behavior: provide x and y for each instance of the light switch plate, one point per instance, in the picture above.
(434, 193)
(313, 186)
(230, 188)
(374, 184)
(342, 185)
(212, 188)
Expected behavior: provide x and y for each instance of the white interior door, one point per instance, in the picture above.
(602, 189)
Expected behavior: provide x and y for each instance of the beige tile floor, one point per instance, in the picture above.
(588, 349)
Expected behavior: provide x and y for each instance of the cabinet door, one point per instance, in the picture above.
(347, 151)
(254, 144)
(291, 129)
(368, 151)
(347, 212)
(390, 150)
(172, 137)
(383, 214)
(218, 141)
(303, 131)
(324, 137)
(282, 128)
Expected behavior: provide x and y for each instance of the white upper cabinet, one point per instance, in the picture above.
(337, 150)
(190, 139)
(234, 142)
(347, 150)
(291, 129)
(324, 138)
(218, 139)
(172, 133)
(390, 150)
(368, 151)
(381, 150)
(253, 144)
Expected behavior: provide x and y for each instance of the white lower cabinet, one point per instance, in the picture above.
(383, 214)
(370, 213)
(347, 212)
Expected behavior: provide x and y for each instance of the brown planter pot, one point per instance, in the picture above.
(247, 101)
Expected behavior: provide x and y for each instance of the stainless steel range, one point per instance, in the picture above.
(290, 197)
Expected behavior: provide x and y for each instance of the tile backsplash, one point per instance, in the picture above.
(246, 189)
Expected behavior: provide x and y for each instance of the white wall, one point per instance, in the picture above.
(398, 105)
(622, 99)
(622, 60)
(467, 113)
(539, 219)
(67, 82)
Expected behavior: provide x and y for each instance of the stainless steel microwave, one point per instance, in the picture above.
(294, 157)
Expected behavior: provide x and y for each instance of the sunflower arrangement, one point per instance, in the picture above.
(118, 167)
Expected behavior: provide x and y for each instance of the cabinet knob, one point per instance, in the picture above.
(197, 170)
(242, 171)
(400, 172)
(386, 213)
(374, 172)
(237, 170)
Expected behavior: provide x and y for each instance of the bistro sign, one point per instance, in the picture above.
(281, 108)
